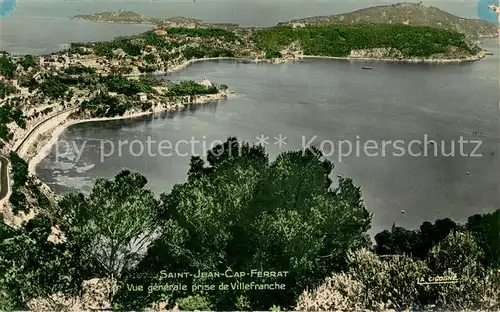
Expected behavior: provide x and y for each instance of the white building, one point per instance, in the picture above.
(206, 83)
(298, 25)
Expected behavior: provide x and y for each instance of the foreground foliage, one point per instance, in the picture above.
(418, 243)
(198, 227)
(237, 212)
(398, 282)
(242, 212)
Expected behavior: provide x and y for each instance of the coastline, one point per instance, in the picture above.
(471, 58)
(58, 128)
(187, 63)
(61, 127)
(300, 57)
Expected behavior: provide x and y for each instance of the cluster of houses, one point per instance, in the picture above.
(12, 82)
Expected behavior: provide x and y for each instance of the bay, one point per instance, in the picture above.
(331, 100)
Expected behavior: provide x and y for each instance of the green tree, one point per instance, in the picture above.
(192, 303)
(19, 170)
(6, 90)
(189, 88)
(53, 87)
(150, 58)
(375, 282)
(219, 33)
(79, 70)
(7, 67)
(340, 40)
(117, 219)
(371, 283)
(31, 266)
(28, 61)
(460, 257)
(241, 212)
(414, 242)
(486, 228)
(103, 106)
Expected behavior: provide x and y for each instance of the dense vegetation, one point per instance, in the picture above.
(240, 211)
(27, 81)
(403, 283)
(79, 70)
(189, 88)
(103, 106)
(341, 39)
(206, 51)
(55, 87)
(219, 33)
(28, 62)
(122, 85)
(263, 204)
(7, 67)
(9, 114)
(19, 177)
(152, 39)
(6, 90)
(19, 170)
(106, 48)
(418, 243)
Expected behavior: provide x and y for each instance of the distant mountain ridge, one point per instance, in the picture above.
(415, 14)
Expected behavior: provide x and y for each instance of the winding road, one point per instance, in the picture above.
(4, 161)
(27, 136)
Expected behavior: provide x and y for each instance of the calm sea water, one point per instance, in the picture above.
(43, 26)
(333, 100)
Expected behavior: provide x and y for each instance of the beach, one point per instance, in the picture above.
(59, 125)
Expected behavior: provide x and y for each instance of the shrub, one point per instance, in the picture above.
(339, 292)
(193, 303)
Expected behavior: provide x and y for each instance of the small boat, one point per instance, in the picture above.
(366, 67)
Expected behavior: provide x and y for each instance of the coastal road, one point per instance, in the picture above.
(27, 136)
(4, 161)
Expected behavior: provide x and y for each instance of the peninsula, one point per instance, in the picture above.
(128, 17)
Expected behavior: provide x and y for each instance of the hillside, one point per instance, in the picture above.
(414, 14)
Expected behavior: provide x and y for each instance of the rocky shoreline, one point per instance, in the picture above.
(299, 57)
